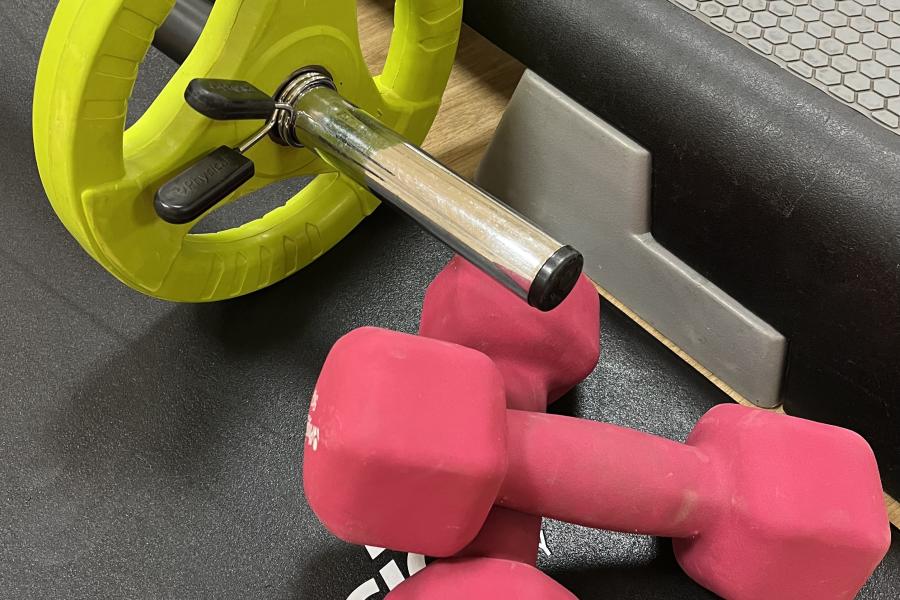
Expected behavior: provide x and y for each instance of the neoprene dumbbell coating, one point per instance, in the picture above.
(541, 356)
(414, 445)
(480, 579)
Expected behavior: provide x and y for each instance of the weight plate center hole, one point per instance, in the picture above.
(252, 206)
(376, 23)
(153, 75)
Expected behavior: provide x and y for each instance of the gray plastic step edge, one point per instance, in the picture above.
(589, 185)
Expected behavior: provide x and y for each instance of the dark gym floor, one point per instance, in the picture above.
(153, 450)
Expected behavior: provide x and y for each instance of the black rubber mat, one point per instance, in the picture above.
(153, 450)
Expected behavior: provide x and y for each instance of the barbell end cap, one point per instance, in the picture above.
(556, 279)
(229, 100)
(197, 189)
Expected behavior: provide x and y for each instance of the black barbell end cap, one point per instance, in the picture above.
(556, 279)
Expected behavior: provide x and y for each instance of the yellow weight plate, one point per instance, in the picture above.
(101, 179)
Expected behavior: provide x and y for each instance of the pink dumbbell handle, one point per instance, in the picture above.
(605, 477)
(506, 534)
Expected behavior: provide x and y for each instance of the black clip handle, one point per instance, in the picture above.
(201, 186)
(211, 179)
(228, 100)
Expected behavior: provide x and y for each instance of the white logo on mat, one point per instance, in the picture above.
(390, 573)
(393, 577)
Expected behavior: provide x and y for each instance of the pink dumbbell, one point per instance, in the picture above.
(411, 444)
(541, 355)
(480, 579)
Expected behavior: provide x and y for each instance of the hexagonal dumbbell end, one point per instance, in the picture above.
(405, 452)
(480, 579)
(800, 510)
(542, 355)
